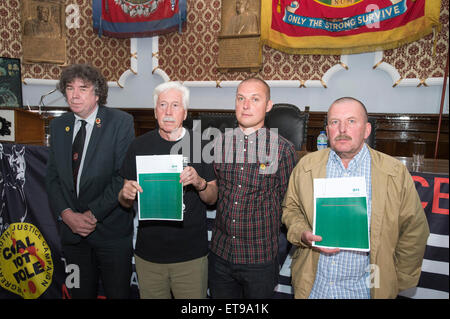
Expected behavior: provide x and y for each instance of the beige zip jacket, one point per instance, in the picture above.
(399, 228)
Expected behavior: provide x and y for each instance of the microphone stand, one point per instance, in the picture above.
(41, 101)
(45, 117)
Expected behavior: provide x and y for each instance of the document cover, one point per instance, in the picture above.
(340, 213)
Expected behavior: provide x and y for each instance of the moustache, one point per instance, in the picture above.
(168, 119)
(343, 137)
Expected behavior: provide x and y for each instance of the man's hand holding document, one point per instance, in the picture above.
(162, 192)
(340, 214)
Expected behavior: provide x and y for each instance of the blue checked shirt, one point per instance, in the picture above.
(343, 275)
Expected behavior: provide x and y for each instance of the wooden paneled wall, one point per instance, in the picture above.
(395, 133)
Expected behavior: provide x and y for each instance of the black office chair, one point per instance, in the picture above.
(220, 121)
(372, 139)
(291, 123)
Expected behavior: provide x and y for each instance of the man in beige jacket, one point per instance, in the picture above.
(398, 226)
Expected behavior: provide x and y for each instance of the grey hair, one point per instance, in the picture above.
(172, 85)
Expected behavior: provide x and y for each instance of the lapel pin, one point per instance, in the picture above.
(98, 122)
(67, 128)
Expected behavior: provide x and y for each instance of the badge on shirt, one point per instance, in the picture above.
(267, 167)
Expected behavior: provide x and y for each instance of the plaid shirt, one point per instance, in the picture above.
(253, 174)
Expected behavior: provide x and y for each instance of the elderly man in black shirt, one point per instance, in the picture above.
(171, 256)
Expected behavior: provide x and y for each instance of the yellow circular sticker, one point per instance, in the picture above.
(26, 265)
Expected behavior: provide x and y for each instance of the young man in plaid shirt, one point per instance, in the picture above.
(253, 165)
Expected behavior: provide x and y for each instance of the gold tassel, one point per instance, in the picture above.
(302, 84)
(435, 38)
(279, 6)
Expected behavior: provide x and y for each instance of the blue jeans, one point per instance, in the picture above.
(237, 281)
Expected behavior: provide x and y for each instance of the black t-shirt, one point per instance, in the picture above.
(171, 241)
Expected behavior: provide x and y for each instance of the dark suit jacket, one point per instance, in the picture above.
(100, 181)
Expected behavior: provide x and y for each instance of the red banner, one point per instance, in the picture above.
(345, 26)
(137, 18)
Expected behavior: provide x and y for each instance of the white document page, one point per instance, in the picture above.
(146, 164)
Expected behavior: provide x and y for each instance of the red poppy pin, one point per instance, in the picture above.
(98, 122)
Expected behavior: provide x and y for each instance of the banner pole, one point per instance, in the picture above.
(444, 88)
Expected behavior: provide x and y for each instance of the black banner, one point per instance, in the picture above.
(31, 264)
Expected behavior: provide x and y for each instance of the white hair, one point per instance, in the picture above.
(172, 85)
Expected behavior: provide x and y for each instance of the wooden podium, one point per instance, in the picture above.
(24, 127)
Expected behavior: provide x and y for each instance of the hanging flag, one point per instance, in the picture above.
(137, 18)
(345, 26)
(31, 258)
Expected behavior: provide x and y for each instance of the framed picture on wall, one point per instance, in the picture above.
(43, 28)
(239, 40)
(10, 82)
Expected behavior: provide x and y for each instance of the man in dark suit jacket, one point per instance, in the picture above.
(96, 232)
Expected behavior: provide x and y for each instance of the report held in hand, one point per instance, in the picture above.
(340, 213)
(162, 196)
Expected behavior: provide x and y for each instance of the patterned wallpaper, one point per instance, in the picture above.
(192, 55)
(417, 60)
(198, 46)
(111, 56)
